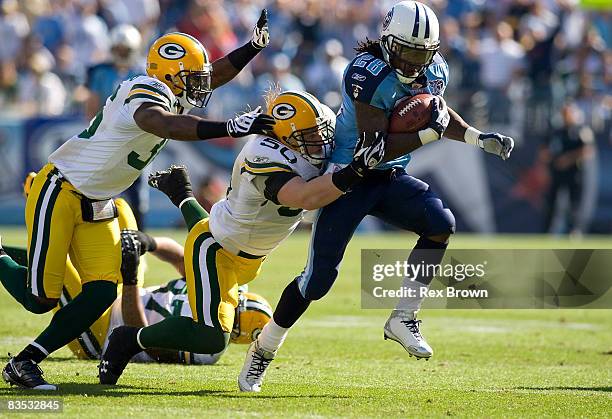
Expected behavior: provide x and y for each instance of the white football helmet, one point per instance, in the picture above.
(125, 43)
(409, 39)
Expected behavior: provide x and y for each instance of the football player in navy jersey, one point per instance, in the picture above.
(404, 62)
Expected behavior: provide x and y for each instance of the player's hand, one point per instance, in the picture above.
(438, 123)
(261, 34)
(253, 122)
(147, 242)
(130, 257)
(497, 144)
(367, 157)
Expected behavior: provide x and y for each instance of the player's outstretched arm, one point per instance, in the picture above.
(290, 190)
(154, 119)
(494, 143)
(226, 68)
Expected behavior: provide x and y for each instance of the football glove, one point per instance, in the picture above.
(497, 144)
(261, 34)
(147, 243)
(438, 123)
(130, 257)
(253, 122)
(368, 156)
(174, 182)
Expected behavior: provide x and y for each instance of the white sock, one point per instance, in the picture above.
(272, 336)
(411, 303)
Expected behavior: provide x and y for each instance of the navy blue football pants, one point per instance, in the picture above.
(393, 196)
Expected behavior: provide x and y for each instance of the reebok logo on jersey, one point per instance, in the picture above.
(358, 77)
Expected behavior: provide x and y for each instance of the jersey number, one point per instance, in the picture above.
(285, 152)
(374, 67)
(95, 122)
(138, 164)
(177, 306)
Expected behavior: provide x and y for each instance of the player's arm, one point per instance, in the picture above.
(291, 190)
(131, 304)
(226, 68)
(153, 118)
(493, 143)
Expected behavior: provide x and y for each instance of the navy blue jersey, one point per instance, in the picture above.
(370, 80)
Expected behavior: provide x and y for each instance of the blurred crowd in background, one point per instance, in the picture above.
(517, 66)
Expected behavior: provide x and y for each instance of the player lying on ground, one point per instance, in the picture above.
(70, 208)
(404, 62)
(273, 179)
(138, 306)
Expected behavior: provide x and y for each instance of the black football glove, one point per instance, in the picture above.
(147, 243)
(130, 257)
(174, 182)
(366, 157)
(252, 122)
(261, 34)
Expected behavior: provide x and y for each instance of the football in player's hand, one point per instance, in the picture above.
(411, 114)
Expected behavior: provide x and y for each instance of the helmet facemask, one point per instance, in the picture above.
(316, 143)
(409, 60)
(196, 85)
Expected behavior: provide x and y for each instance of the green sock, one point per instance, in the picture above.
(78, 315)
(184, 334)
(192, 213)
(14, 278)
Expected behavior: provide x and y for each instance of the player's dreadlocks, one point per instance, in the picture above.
(371, 47)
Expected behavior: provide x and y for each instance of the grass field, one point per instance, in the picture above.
(501, 363)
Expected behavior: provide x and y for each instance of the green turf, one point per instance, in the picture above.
(335, 363)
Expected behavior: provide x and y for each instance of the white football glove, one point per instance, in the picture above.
(438, 122)
(497, 144)
(261, 34)
(253, 122)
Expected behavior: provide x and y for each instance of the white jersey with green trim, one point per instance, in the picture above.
(246, 220)
(106, 158)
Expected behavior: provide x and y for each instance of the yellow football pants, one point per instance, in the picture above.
(213, 276)
(56, 228)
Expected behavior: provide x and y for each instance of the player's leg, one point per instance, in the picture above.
(48, 219)
(331, 232)
(210, 279)
(411, 205)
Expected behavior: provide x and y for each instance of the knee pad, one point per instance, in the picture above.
(440, 220)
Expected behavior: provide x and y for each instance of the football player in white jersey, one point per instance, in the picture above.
(274, 179)
(70, 209)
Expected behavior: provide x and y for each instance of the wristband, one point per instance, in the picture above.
(242, 56)
(211, 129)
(345, 178)
(471, 136)
(428, 135)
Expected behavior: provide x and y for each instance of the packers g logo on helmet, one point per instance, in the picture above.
(303, 124)
(181, 62)
(172, 51)
(283, 111)
(252, 314)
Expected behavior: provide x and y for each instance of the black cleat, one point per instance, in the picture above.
(174, 182)
(118, 353)
(25, 374)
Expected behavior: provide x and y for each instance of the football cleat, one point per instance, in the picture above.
(403, 328)
(26, 374)
(117, 355)
(254, 368)
(174, 182)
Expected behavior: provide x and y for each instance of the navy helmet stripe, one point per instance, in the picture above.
(426, 23)
(415, 28)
